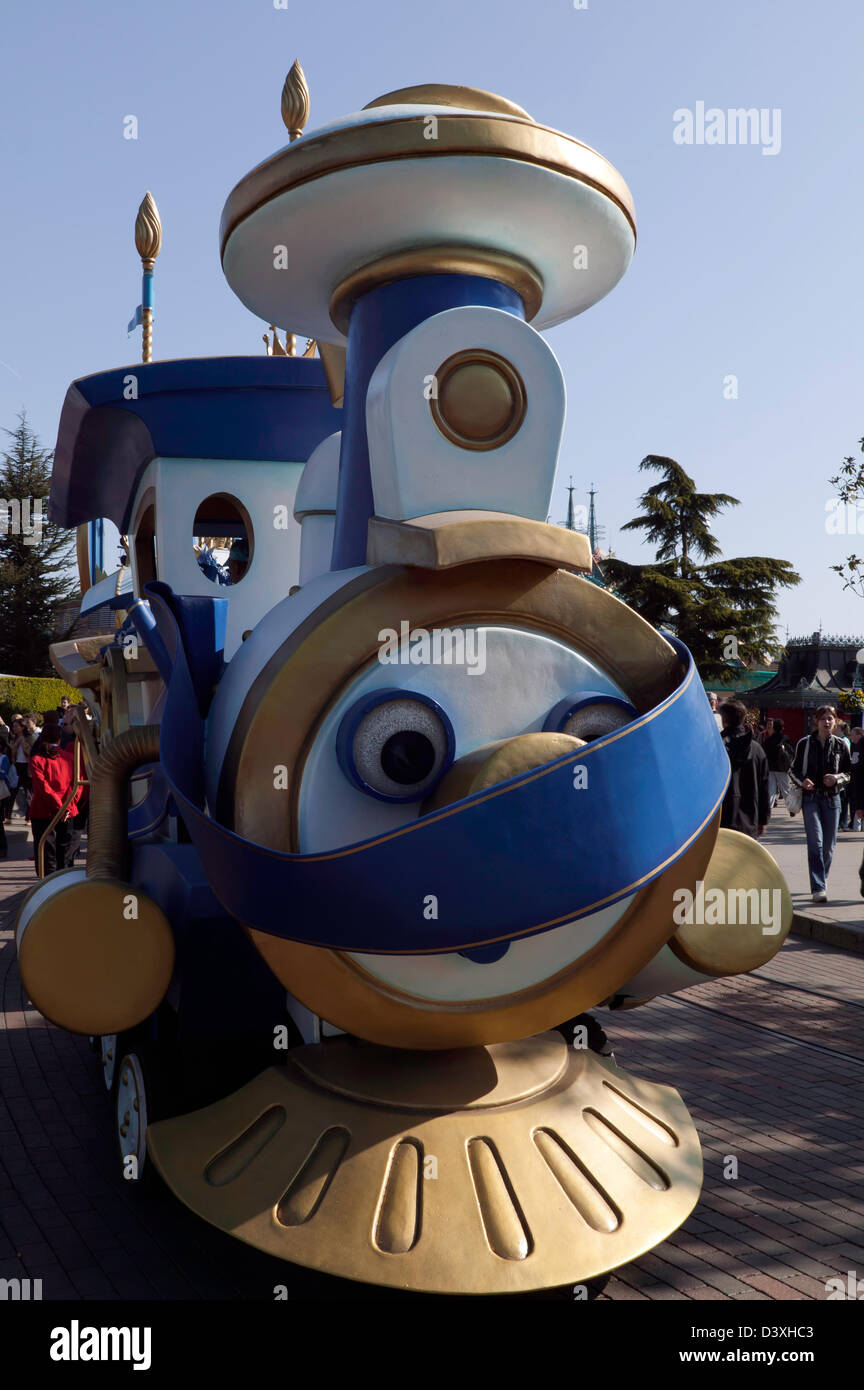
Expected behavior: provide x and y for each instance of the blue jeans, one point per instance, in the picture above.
(821, 818)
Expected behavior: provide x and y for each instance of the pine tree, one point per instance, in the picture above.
(35, 556)
(722, 609)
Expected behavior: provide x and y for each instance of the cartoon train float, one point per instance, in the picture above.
(348, 892)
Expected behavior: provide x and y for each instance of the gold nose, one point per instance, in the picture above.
(495, 762)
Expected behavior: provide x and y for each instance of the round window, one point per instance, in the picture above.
(222, 539)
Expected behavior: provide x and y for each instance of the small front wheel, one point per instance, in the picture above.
(132, 1114)
(107, 1048)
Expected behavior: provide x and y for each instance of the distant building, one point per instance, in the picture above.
(743, 680)
(814, 671)
(595, 533)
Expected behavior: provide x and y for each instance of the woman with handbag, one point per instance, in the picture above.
(822, 767)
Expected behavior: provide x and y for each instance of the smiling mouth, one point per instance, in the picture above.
(457, 977)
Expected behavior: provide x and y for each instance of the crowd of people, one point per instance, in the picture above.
(825, 769)
(36, 776)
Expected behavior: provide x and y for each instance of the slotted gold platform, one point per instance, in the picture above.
(489, 1170)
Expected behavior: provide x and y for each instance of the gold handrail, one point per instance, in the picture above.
(84, 731)
(77, 781)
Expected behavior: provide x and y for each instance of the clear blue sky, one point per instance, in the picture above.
(747, 264)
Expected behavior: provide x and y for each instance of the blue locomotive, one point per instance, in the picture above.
(364, 729)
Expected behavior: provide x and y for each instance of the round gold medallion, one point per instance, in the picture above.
(480, 399)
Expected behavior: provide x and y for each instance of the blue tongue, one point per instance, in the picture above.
(484, 955)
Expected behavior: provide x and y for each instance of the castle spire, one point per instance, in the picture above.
(592, 520)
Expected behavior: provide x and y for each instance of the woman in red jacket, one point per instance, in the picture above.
(51, 773)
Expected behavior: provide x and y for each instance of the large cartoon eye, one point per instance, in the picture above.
(395, 745)
(589, 715)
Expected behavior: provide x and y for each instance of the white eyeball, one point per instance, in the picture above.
(589, 716)
(395, 745)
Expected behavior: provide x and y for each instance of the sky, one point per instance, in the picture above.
(748, 263)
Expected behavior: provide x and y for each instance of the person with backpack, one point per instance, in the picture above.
(822, 767)
(746, 805)
(780, 752)
(8, 787)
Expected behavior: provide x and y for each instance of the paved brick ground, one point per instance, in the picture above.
(840, 921)
(771, 1067)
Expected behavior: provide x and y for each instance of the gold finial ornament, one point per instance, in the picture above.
(148, 244)
(148, 231)
(295, 101)
(276, 349)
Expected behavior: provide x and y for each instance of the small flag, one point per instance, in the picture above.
(136, 319)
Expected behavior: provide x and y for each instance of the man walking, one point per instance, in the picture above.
(747, 803)
(780, 752)
(822, 766)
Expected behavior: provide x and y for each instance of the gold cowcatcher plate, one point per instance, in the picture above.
(499, 1169)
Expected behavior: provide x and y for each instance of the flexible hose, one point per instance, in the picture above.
(108, 831)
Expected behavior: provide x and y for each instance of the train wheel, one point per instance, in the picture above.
(107, 1048)
(133, 1112)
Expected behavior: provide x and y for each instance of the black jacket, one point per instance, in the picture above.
(832, 756)
(773, 747)
(747, 803)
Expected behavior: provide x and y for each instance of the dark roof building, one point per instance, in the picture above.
(814, 671)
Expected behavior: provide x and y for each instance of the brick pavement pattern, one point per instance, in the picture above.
(840, 921)
(771, 1068)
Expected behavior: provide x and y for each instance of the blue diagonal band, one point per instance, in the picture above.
(520, 858)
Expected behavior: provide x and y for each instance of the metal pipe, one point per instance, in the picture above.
(141, 620)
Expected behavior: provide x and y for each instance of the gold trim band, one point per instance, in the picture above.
(438, 260)
(492, 136)
(444, 94)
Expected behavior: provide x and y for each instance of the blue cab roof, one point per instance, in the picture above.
(262, 407)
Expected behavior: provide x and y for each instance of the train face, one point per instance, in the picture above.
(411, 789)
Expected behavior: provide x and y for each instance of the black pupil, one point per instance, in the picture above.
(407, 757)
